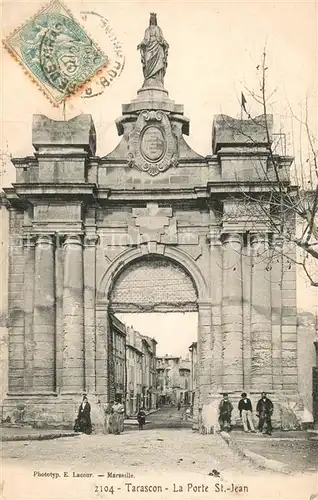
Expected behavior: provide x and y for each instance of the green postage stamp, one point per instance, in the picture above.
(56, 52)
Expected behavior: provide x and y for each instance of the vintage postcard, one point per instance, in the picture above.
(159, 250)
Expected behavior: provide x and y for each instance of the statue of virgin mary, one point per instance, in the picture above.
(154, 54)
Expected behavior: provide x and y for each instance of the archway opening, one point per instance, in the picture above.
(155, 299)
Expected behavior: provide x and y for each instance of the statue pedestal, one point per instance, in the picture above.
(152, 98)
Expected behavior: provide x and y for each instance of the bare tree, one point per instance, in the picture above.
(288, 206)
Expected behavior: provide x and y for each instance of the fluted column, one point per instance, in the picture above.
(29, 274)
(261, 330)
(204, 350)
(44, 316)
(73, 316)
(276, 291)
(90, 241)
(216, 303)
(103, 344)
(232, 313)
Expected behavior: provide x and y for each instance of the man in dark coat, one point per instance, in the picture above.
(83, 422)
(225, 412)
(264, 411)
(141, 417)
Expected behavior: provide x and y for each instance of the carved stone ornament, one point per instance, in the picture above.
(152, 145)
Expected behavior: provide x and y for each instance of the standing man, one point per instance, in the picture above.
(225, 412)
(245, 409)
(264, 411)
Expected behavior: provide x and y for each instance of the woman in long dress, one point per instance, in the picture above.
(83, 422)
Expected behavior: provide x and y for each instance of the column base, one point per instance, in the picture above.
(50, 411)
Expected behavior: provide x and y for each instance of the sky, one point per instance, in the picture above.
(174, 332)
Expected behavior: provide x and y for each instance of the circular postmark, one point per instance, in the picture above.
(111, 45)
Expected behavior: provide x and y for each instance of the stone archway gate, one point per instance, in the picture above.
(77, 221)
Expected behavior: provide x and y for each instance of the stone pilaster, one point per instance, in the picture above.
(204, 350)
(29, 273)
(247, 344)
(216, 304)
(102, 354)
(232, 313)
(276, 291)
(59, 272)
(90, 241)
(44, 315)
(261, 330)
(73, 316)
(289, 320)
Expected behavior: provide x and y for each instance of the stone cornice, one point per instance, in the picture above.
(34, 192)
(152, 194)
(240, 187)
(231, 152)
(61, 155)
(26, 160)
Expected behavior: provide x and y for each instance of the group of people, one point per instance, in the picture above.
(264, 411)
(115, 415)
(114, 418)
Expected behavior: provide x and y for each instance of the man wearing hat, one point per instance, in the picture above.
(245, 409)
(225, 411)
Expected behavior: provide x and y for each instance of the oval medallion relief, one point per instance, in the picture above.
(153, 144)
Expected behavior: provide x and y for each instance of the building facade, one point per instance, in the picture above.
(134, 365)
(173, 380)
(185, 382)
(117, 359)
(90, 236)
(149, 384)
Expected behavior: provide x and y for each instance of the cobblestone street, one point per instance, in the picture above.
(178, 463)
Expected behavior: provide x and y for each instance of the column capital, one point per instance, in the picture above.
(44, 238)
(277, 241)
(72, 239)
(91, 240)
(213, 237)
(232, 239)
(259, 239)
(28, 240)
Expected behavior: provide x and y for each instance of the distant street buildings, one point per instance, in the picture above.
(132, 367)
(117, 369)
(140, 378)
(149, 396)
(134, 362)
(173, 380)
